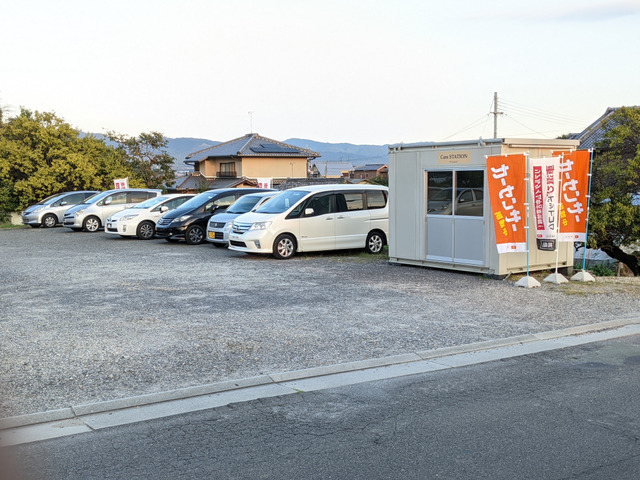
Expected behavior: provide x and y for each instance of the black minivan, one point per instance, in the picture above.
(189, 220)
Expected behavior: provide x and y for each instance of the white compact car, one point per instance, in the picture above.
(140, 220)
(315, 218)
(219, 225)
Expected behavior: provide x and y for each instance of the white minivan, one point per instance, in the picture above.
(315, 218)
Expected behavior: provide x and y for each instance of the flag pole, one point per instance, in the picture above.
(585, 276)
(528, 281)
(556, 277)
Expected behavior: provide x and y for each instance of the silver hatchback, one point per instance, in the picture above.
(50, 211)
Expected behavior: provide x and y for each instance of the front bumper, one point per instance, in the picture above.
(120, 228)
(217, 235)
(73, 221)
(251, 242)
(31, 219)
(170, 231)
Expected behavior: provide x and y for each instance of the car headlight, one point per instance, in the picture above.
(260, 226)
(227, 227)
(128, 217)
(39, 209)
(79, 212)
(183, 218)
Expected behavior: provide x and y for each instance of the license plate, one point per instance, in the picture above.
(109, 225)
(212, 234)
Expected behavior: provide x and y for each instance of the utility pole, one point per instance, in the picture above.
(495, 114)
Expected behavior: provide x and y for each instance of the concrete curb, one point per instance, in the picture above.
(74, 412)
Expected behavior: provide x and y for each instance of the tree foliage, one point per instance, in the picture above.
(41, 154)
(614, 219)
(147, 156)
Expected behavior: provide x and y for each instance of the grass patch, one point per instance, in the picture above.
(10, 225)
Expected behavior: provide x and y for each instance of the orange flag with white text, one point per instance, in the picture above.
(574, 169)
(508, 193)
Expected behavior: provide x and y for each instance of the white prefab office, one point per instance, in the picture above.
(440, 213)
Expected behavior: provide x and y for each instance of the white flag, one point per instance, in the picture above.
(121, 183)
(545, 190)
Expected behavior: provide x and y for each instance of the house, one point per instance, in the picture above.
(331, 169)
(366, 172)
(242, 161)
(594, 133)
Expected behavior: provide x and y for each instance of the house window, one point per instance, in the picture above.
(227, 169)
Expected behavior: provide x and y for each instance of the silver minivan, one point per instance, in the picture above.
(91, 215)
(50, 211)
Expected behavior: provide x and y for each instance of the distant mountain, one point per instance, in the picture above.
(357, 155)
(345, 152)
(179, 148)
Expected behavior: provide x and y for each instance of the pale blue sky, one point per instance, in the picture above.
(359, 71)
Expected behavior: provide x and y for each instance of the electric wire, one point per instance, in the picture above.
(475, 123)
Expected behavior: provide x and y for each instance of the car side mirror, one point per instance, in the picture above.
(308, 212)
(62, 204)
(107, 201)
(164, 208)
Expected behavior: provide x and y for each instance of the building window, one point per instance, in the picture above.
(227, 170)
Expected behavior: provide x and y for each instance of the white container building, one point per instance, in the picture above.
(428, 227)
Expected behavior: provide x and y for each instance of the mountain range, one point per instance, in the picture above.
(357, 155)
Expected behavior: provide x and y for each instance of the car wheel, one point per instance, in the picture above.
(49, 220)
(194, 235)
(284, 247)
(146, 230)
(375, 242)
(91, 224)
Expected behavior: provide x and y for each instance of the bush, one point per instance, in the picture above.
(603, 271)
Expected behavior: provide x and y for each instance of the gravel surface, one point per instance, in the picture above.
(88, 317)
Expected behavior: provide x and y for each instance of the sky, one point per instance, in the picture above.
(356, 71)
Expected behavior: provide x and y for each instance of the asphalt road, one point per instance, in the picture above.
(571, 413)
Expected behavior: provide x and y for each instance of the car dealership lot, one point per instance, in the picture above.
(88, 317)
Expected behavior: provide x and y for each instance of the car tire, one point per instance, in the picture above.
(49, 220)
(284, 247)
(146, 230)
(194, 235)
(91, 224)
(375, 242)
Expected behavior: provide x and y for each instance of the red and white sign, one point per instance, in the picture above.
(265, 182)
(545, 191)
(507, 191)
(574, 168)
(121, 183)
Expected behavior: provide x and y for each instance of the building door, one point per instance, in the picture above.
(454, 202)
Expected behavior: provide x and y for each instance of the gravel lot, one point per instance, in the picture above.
(87, 317)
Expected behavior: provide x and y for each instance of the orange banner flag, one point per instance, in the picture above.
(508, 193)
(574, 169)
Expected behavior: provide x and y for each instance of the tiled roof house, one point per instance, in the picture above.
(243, 160)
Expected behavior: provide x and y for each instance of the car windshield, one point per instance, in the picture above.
(199, 200)
(244, 204)
(95, 197)
(152, 202)
(283, 202)
(49, 199)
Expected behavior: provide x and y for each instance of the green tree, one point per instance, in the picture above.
(614, 220)
(148, 157)
(41, 154)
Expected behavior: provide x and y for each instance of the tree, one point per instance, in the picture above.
(614, 219)
(147, 157)
(41, 154)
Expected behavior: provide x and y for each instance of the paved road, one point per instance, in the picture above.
(571, 413)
